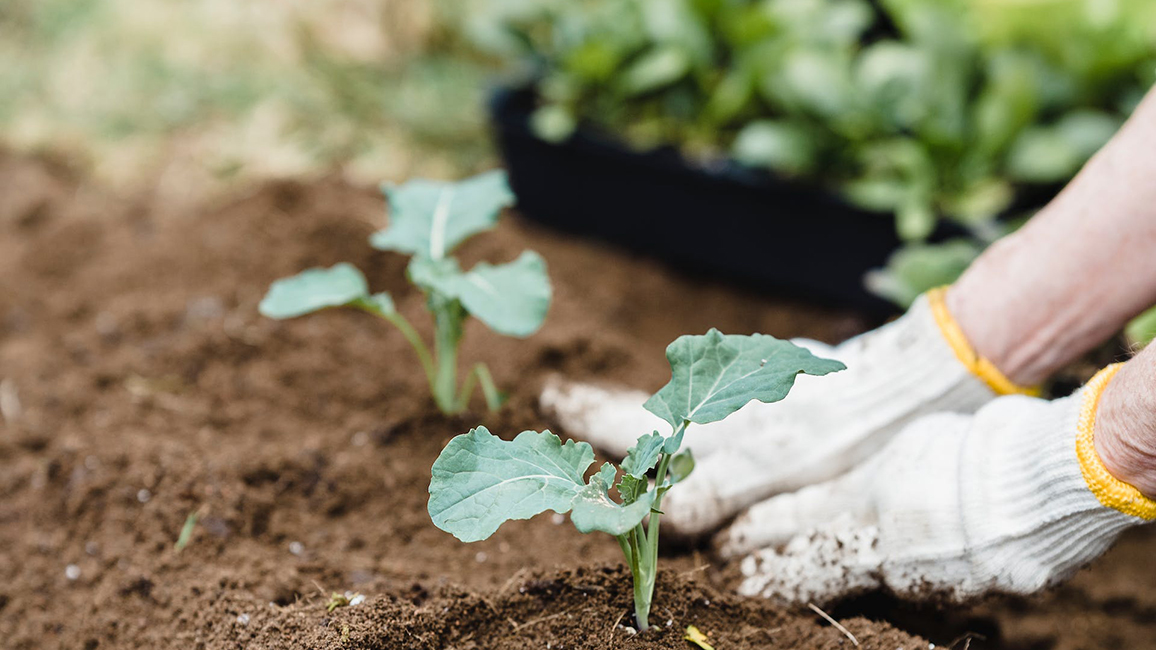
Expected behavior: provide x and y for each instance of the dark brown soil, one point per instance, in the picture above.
(138, 385)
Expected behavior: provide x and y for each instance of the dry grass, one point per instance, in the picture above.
(194, 95)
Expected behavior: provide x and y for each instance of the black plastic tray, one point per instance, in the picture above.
(729, 222)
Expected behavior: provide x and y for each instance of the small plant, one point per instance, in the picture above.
(428, 219)
(481, 481)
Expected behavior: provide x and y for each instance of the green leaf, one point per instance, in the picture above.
(1087, 131)
(553, 123)
(681, 465)
(631, 488)
(915, 219)
(593, 509)
(879, 194)
(733, 93)
(606, 474)
(675, 22)
(312, 290)
(981, 202)
(431, 275)
(380, 304)
(655, 69)
(1142, 329)
(429, 218)
(915, 268)
(714, 375)
(644, 455)
(814, 80)
(480, 481)
(782, 146)
(1043, 155)
(511, 298)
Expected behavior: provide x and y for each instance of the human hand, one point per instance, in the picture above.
(910, 367)
(1013, 498)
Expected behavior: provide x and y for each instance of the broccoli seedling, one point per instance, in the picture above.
(428, 219)
(481, 481)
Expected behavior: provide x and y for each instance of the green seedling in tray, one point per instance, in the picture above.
(428, 219)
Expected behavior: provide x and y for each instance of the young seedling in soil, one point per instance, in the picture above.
(481, 481)
(428, 219)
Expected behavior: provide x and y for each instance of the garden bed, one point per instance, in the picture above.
(139, 385)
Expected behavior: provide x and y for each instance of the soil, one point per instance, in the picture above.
(139, 387)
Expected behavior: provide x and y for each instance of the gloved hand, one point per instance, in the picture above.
(915, 365)
(1011, 499)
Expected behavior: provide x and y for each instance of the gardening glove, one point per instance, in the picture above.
(918, 364)
(1013, 498)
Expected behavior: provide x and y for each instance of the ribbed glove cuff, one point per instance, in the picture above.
(1109, 490)
(983, 369)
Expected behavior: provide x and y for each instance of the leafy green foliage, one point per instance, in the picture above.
(923, 109)
(644, 455)
(428, 220)
(715, 375)
(511, 298)
(480, 481)
(915, 269)
(316, 289)
(594, 510)
(1142, 330)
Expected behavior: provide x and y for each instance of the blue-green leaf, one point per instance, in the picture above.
(431, 275)
(714, 375)
(313, 290)
(511, 298)
(681, 465)
(380, 304)
(606, 474)
(429, 218)
(644, 455)
(631, 488)
(593, 509)
(481, 481)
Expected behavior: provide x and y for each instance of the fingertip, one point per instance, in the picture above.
(819, 566)
(609, 417)
(770, 523)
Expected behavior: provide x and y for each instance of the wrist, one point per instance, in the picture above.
(1125, 427)
(979, 364)
(1026, 334)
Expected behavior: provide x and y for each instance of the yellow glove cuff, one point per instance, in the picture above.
(1109, 490)
(983, 369)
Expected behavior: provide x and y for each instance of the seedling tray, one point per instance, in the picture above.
(734, 223)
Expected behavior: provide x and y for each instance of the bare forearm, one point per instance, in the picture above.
(1077, 272)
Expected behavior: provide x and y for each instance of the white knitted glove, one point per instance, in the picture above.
(915, 365)
(960, 505)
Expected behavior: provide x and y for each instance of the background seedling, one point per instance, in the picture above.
(481, 481)
(428, 219)
(187, 529)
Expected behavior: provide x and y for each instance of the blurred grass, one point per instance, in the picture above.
(196, 93)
